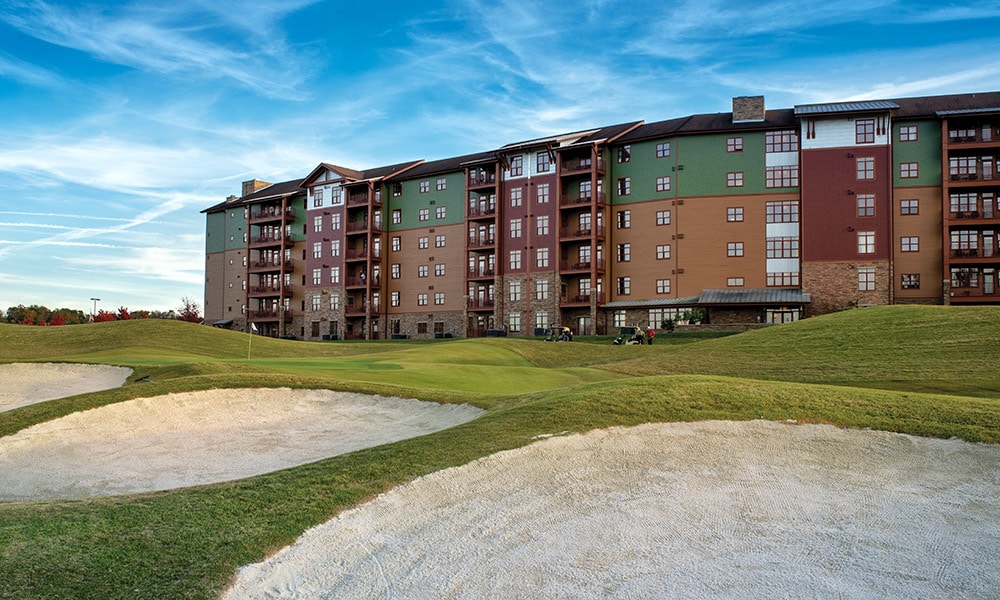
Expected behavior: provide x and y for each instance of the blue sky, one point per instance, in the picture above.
(121, 121)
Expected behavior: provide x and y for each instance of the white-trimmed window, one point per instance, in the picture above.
(542, 192)
(514, 322)
(334, 275)
(423, 243)
(663, 252)
(335, 221)
(624, 219)
(734, 144)
(334, 248)
(438, 298)
(663, 150)
(542, 319)
(397, 243)
(909, 170)
(421, 299)
(663, 184)
(441, 212)
(866, 242)
(662, 286)
(624, 286)
(317, 249)
(422, 271)
(514, 291)
(734, 214)
(734, 179)
(734, 249)
(866, 279)
(439, 270)
(425, 186)
(865, 167)
(515, 259)
(734, 282)
(318, 223)
(542, 225)
(541, 289)
(542, 258)
(424, 214)
(866, 205)
(909, 244)
(317, 276)
(439, 241)
(441, 184)
(624, 252)
(516, 195)
(395, 271)
(335, 301)
(394, 298)
(515, 228)
(663, 217)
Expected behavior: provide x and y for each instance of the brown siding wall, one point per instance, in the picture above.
(927, 262)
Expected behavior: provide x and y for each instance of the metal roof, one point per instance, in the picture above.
(686, 301)
(844, 107)
(970, 111)
(727, 297)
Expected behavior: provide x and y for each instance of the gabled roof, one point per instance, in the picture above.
(445, 165)
(324, 167)
(275, 190)
(773, 119)
(724, 297)
(933, 106)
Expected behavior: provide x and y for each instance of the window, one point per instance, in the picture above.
(334, 275)
(866, 242)
(964, 241)
(397, 243)
(963, 202)
(542, 225)
(734, 213)
(542, 258)
(734, 179)
(959, 167)
(542, 162)
(663, 217)
(542, 319)
(663, 252)
(866, 205)
(778, 177)
(441, 212)
(514, 322)
(624, 219)
(318, 223)
(908, 133)
(866, 279)
(515, 259)
(397, 216)
(515, 228)
(318, 197)
(618, 318)
(864, 131)
(441, 184)
(438, 298)
(335, 301)
(542, 289)
(866, 168)
(734, 144)
(317, 249)
(781, 141)
(624, 286)
(624, 186)
(422, 271)
(662, 286)
(397, 189)
(423, 243)
(663, 184)
(394, 270)
(625, 153)
(909, 170)
(317, 276)
(334, 248)
(425, 186)
(624, 252)
(734, 282)
(421, 299)
(910, 244)
(514, 291)
(439, 270)
(909, 207)
(338, 196)
(663, 150)
(516, 166)
(910, 281)
(542, 193)
(783, 247)
(394, 298)
(335, 221)
(964, 277)
(422, 327)
(515, 196)
(786, 211)
(782, 279)
(439, 241)
(424, 214)
(734, 249)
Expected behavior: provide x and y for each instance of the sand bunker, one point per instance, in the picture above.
(707, 509)
(204, 437)
(22, 384)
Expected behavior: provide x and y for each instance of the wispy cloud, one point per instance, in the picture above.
(27, 73)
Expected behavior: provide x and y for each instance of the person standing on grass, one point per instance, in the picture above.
(650, 333)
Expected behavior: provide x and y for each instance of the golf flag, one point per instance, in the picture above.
(253, 327)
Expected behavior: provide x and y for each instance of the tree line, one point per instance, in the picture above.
(42, 315)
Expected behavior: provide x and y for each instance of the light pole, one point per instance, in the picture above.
(93, 313)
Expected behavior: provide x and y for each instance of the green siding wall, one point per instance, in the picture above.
(644, 167)
(223, 225)
(926, 151)
(411, 201)
(703, 163)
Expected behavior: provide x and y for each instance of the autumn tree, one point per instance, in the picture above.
(189, 311)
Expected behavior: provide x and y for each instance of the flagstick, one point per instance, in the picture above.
(250, 340)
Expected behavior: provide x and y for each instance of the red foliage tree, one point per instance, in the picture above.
(104, 316)
(123, 314)
(189, 311)
(57, 320)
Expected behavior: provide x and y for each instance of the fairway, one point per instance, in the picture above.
(904, 370)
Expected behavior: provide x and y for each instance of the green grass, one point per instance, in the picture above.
(919, 370)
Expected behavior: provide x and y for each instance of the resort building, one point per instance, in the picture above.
(753, 216)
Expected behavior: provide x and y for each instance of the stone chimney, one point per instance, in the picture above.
(253, 185)
(232, 198)
(748, 109)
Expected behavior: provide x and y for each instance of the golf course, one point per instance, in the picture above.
(835, 381)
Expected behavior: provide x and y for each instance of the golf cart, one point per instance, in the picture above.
(628, 336)
(558, 333)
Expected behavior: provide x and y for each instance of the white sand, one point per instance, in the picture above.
(22, 384)
(711, 509)
(193, 438)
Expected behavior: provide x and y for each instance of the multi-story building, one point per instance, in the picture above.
(751, 216)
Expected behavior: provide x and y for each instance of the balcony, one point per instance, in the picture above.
(481, 304)
(582, 266)
(270, 315)
(581, 165)
(271, 265)
(482, 242)
(270, 240)
(572, 233)
(358, 198)
(353, 254)
(977, 135)
(583, 199)
(271, 213)
(479, 212)
(481, 273)
(362, 227)
(575, 300)
(482, 178)
(358, 309)
(270, 290)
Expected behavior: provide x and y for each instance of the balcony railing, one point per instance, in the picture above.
(271, 213)
(481, 303)
(357, 199)
(974, 135)
(353, 254)
(272, 265)
(269, 315)
(574, 199)
(572, 232)
(581, 164)
(569, 265)
(484, 242)
(270, 290)
(270, 240)
(362, 226)
(481, 273)
(481, 178)
(482, 211)
(575, 299)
